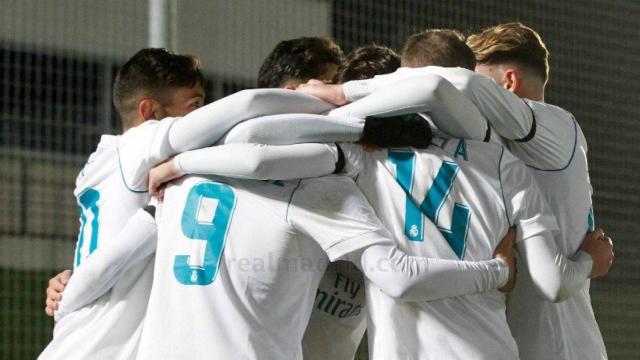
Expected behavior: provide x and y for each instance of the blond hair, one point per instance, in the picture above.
(511, 42)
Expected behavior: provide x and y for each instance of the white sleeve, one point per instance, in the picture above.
(554, 140)
(332, 211)
(204, 127)
(553, 274)
(414, 278)
(505, 111)
(100, 271)
(264, 162)
(357, 89)
(450, 111)
(286, 129)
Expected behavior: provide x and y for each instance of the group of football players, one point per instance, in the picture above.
(431, 198)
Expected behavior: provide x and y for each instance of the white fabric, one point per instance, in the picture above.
(260, 299)
(295, 128)
(503, 110)
(112, 187)
(416, 278)
(109, 328)
(339, 319)
(557, 156)
(451, 112)
(99, 272)
(204, 127)
(258, 161)
(470, 326)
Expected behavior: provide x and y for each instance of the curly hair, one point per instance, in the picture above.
(511, 42)
(299, 59)
(149, 73)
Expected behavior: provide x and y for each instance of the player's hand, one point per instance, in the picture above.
(160, 175)
(600, 247)
(333, 94)
(54, 291)
(505, 251)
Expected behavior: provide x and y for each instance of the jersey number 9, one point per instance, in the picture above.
(205, 220)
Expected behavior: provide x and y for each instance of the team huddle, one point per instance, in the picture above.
(431, 199)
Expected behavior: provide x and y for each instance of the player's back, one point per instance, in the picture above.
(557, 158)
(458, 185)
(110, 327)
(233, 279)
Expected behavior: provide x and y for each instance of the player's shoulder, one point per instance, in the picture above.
(542, 109)
(466, 149)
(100, 162)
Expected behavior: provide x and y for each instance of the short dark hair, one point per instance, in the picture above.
(512, 42)
(368, 61)
(396, 131)
(149, 73)
(299, 59)
(440, 47)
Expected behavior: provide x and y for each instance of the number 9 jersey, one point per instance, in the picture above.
(238, 263)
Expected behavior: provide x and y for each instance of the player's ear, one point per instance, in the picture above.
(148, 109)
(511, 80)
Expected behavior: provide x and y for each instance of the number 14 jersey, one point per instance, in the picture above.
(453, 200)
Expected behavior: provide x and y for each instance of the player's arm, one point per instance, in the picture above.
(334, 213)
(249, 161)
(100, 271)
(505, 111)
(205, 126)
(450, 111)
(143, 148)
(555, 275)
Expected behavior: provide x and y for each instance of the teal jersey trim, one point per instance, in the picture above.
(573, 153)
(286, 216)
(504, 202)
(122, 175)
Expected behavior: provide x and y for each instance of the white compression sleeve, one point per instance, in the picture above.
(506, 112)
(414, 278)
(554, 275)
(285, 129)
(205, 126)
(255, 161)
(100, 271)
(450, 111)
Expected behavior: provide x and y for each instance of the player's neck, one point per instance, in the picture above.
(535, 93)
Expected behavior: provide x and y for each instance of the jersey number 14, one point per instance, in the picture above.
(432, 203)
(205, 221)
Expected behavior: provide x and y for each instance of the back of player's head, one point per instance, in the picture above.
(512, 43)
(439, 47)
(396, 131)
(368, 61)
(299, 60)
(150, 73)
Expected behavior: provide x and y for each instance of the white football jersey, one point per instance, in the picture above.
(442, 184)
(110, 189)
(557, 156)
(338, 320)
(237, 267)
